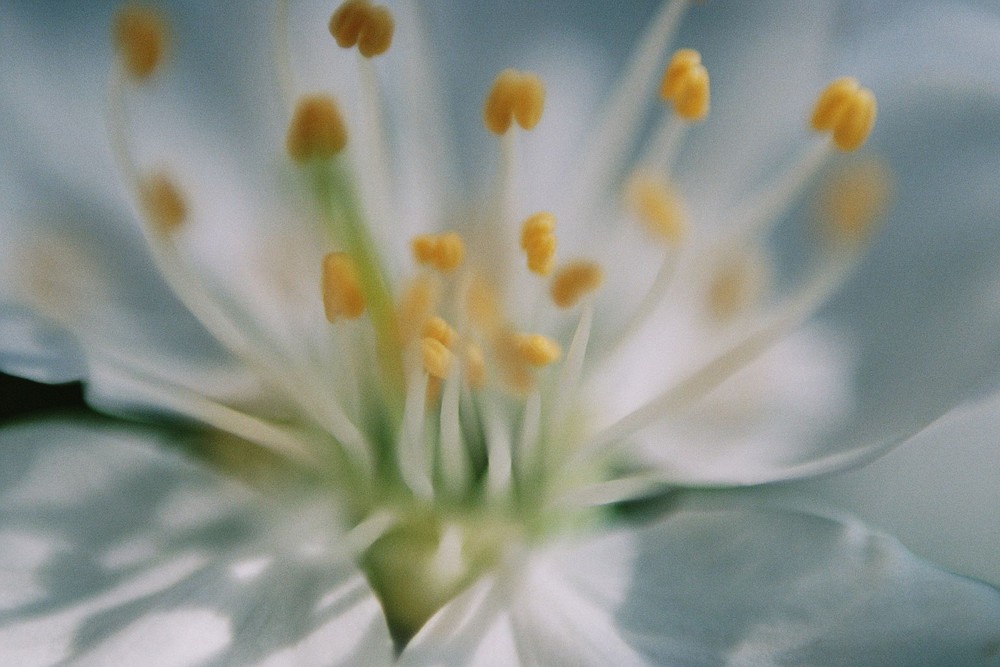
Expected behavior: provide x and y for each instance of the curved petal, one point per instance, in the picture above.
(937, 492)
(710, 586)
(115, 550)
(751, 586)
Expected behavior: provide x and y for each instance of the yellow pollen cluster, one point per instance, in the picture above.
(537, 350)
(444, 252)
(317, 129)
(685, 83)
(574, 281)
(415, 305)
(140, 34)
(853, 201)
(163, 202)
(514, 96)
(847, 110)
(341, 286)
(359, 22)
(734, 288)
(436, 358)
(538, 241)
(654, 202)
(436, 328)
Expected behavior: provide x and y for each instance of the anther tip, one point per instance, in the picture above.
(359, 23)
(847, 111)
(514, 96)
(317, 129)
(141, 37)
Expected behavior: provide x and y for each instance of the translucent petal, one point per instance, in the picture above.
(117, 549)
(937, 492)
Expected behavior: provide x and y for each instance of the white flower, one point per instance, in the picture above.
(476, 398)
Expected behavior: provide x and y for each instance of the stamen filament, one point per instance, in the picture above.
(379, 182)
(411, 451)
(620, 121)
(528, 456)
(766, 209)
(682, 394)
(454, 459)
(198, 407)
(498, 452)
(661, 152)
(640, 316)
(282, 54)
(569, 377)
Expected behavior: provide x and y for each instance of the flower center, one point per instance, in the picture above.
(456, 432)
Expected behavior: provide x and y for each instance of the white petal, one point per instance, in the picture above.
(117, 550)
(937, 492)
(751, 586)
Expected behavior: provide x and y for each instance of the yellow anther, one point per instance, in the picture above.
(359, 22)
(475, 366)
(846, 110)
(140, 35)
(450, 252)
(317, 129)
(436, 358)
(444, 252)
(573, 281)
(415, 305)
(657, 206)
(342, 294)
(163, 202)
(514, 96)
(685, 84)
(537, 350)
(539, 242)
(853, 201)
(436, 328)
(735, 286)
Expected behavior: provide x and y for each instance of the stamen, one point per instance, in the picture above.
(854, 200)
(415, 306)
(514, 96)
(414, 460)
(539, 242)
(436, 328)
(537, 350)
(657, 206)
(569, 378)
(342, 293)
(620, 119)
(685, 83)
(444, 252)
(682, 394)
(574, 281)
(735, 286)
(436, 358)
(847, 110)
(317, 129)
(454, 458)
(163, 203)
(140, 35)
(359, 22)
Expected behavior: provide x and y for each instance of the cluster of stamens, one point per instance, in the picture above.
(446, 330)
